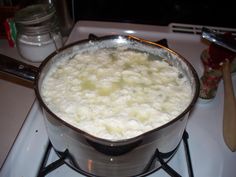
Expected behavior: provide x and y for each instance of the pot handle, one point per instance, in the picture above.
(17, 68)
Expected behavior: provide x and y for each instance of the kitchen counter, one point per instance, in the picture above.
(16, 99)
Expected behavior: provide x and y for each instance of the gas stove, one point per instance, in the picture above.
(209, 156)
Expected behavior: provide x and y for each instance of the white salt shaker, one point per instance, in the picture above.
(38, 33)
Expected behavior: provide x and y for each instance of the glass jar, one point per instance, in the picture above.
(38, 33)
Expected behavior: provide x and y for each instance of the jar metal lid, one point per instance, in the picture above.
(34, 14)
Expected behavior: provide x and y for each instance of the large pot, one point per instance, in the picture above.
(100, 157)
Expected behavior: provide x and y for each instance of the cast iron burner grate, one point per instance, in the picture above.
(46, 169)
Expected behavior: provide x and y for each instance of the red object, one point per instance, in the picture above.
(218, 54)
(11, 42)
(212, 59)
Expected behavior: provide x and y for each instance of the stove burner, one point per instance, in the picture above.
(162, 42)
(44, 170)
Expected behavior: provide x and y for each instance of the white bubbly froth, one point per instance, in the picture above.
(116, 94)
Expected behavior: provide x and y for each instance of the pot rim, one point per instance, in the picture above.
(122, 141)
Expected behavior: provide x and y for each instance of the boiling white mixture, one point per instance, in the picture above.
(116, 94)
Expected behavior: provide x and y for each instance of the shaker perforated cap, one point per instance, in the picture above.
(34, 14)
